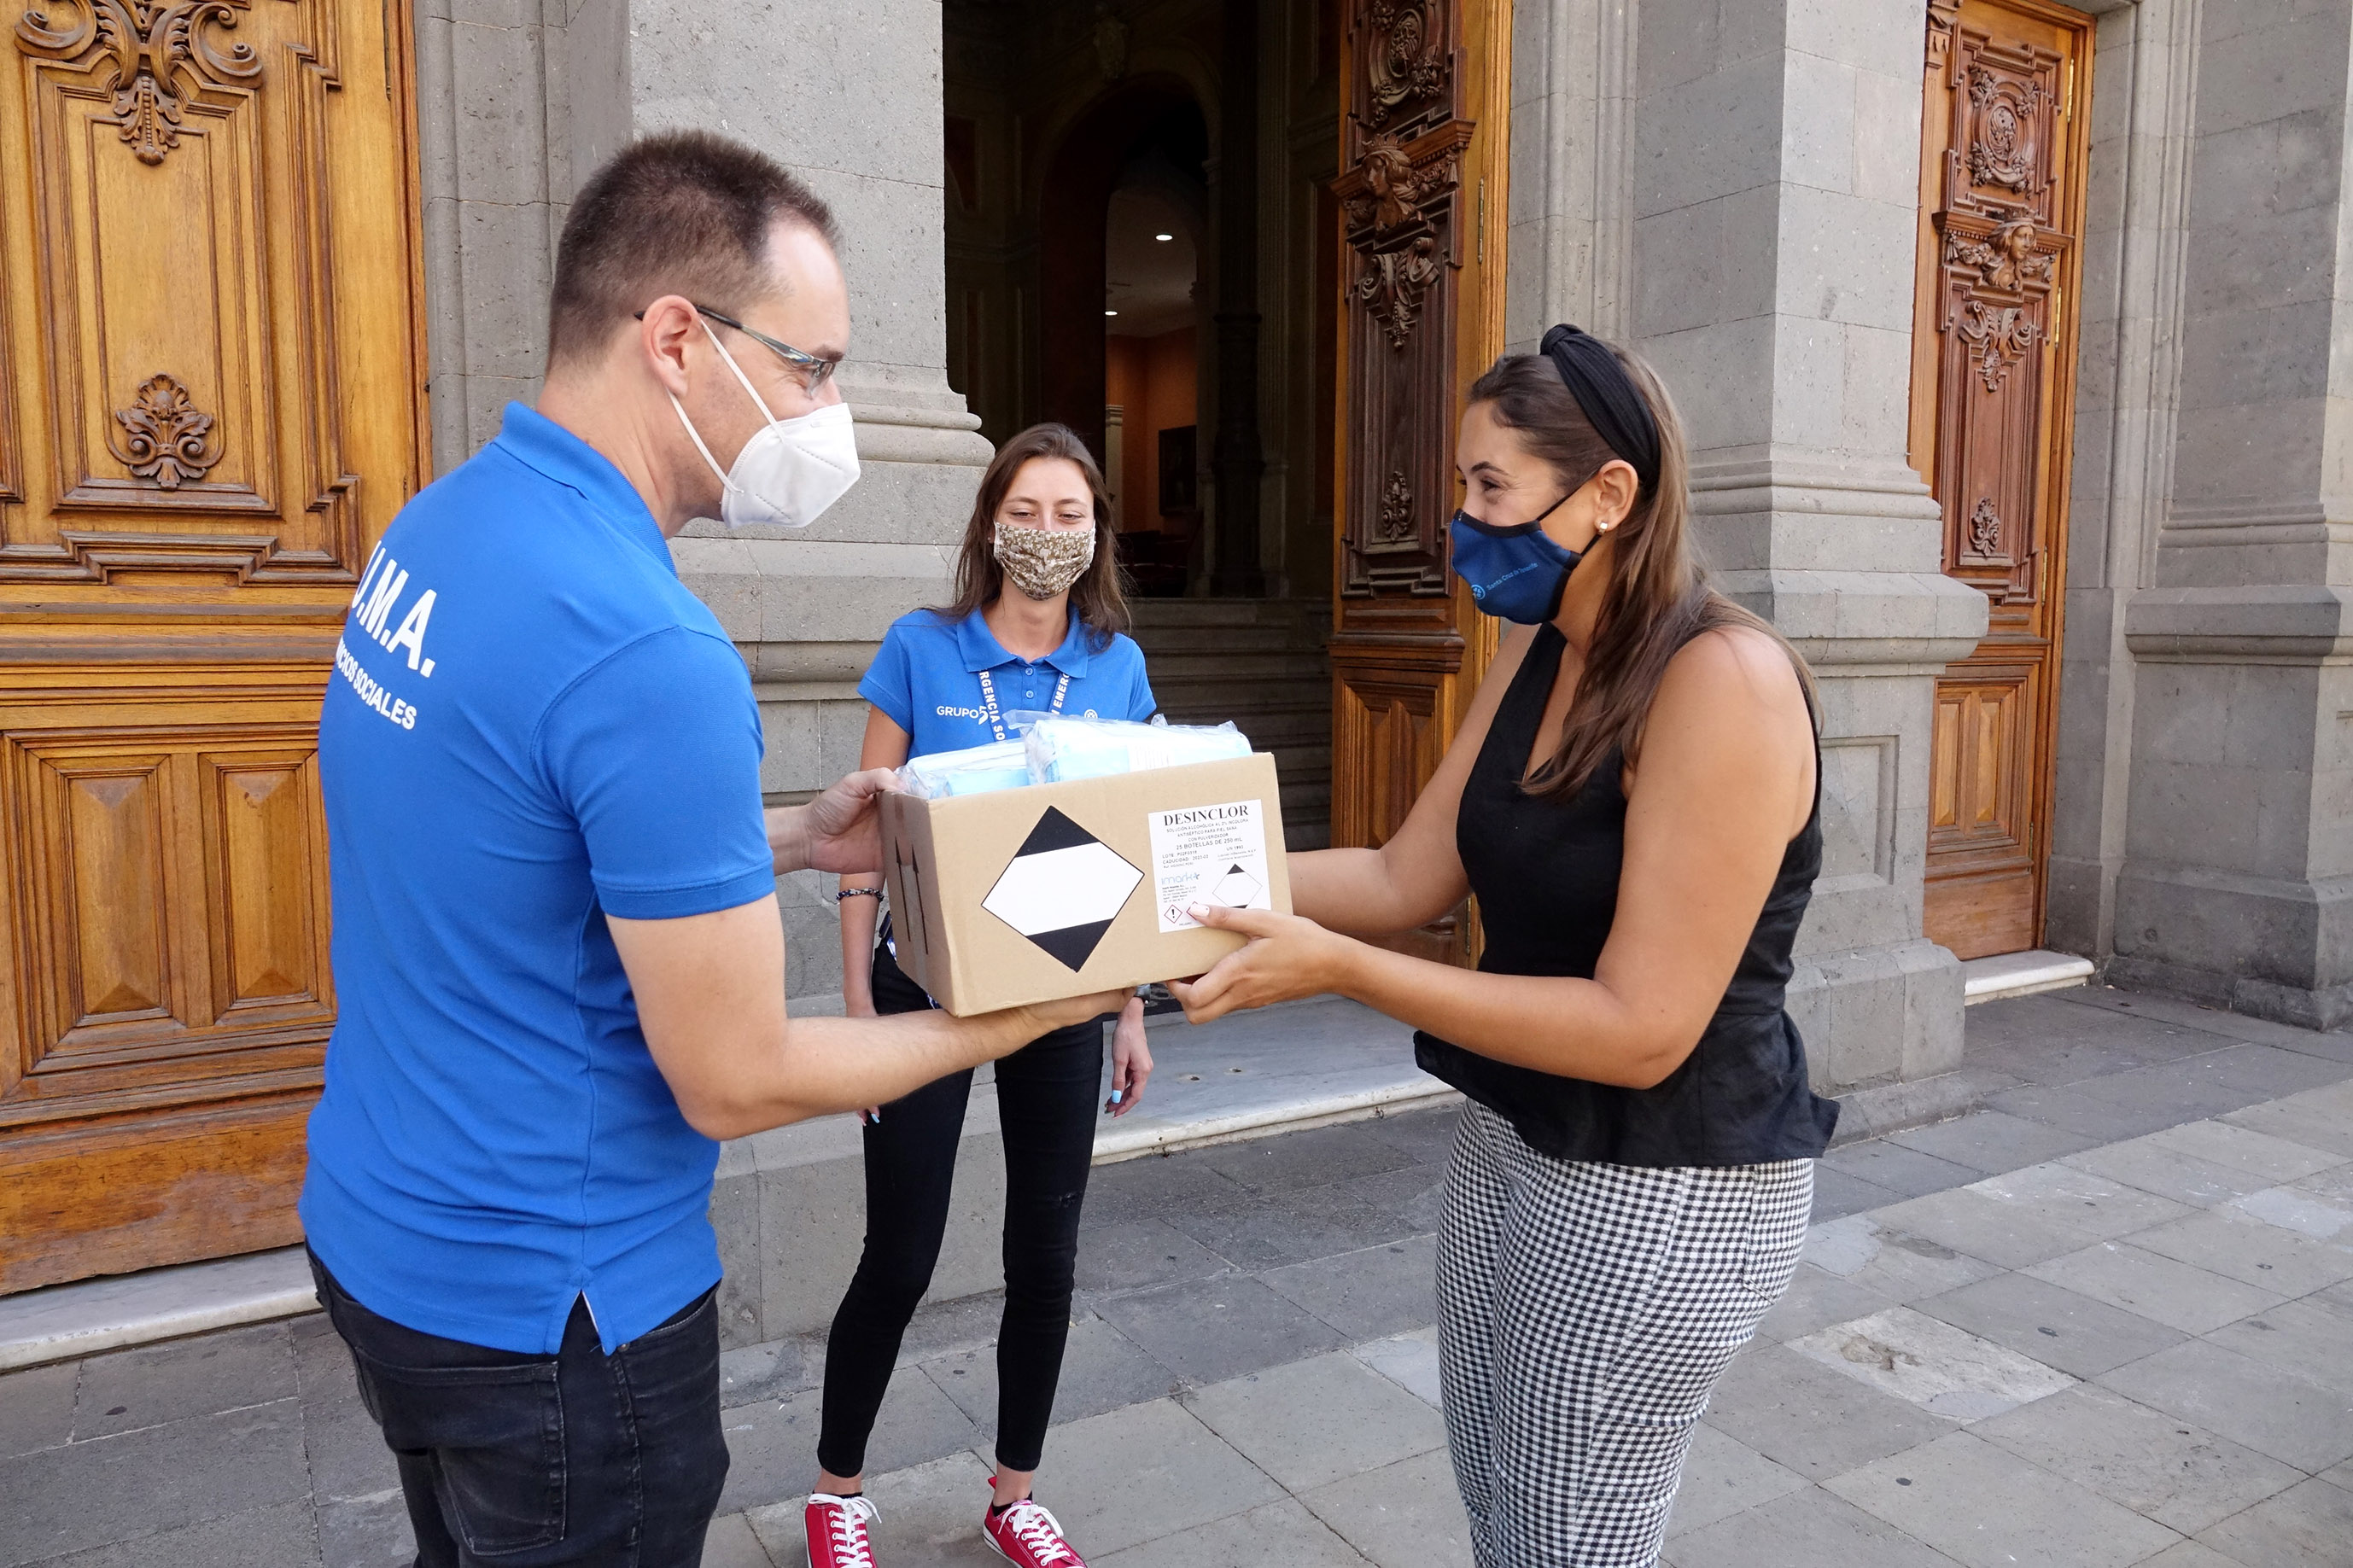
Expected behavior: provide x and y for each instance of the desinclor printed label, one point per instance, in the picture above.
(1208, 855)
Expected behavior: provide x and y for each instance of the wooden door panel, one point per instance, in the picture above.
(1420, 198)
(2004, 138)
(211, 405)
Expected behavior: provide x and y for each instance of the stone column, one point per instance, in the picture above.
(848, 96)
(1774, 190)
(2237, 882)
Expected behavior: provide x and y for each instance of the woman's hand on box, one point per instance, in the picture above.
(1131, 1059)
(1287, 956)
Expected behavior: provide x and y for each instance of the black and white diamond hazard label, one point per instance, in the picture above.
(1062, 889)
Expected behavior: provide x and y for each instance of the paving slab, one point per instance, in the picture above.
(1315, 1158)
(2299, 1209)
(37, 1407)
(1838, 1194)
(2310, 1526)
(1128, 1254)
(1805, 1528)
(1405, 1515)
(1945, 1371)
(280, 1536)
(2240, 1246)
(1283, 1532)
(2154, 1167)
(772, 1446)
(1368, 1293)
(2178, 1295)
(2319, 1119)
(1426, 1136)
(1145, 1472)
(1993, 1141)
(1968, 1221)
(343, 1448)
(1290, 1225)
(1101, 1370)
(2307, 1338)
(83, 1495)
(1414, 1193)
(773, 1370)
(1311, 1423)
(2044, 1040)
(366, 1531)
(2079, 1200)
(1898, 1264)
(1988, 1509)
(201, 1376)
(2177, 1473)
(1211, 1330)
(1908, 1173)
(1815, 1299)
(1409, 1361)
(1722, 1476)
(1799, 1412)
(2247, 1400)
(730, 1543)
(2055, 1326)
(2245, 1150)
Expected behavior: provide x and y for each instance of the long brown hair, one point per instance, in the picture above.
(1659, 597)
(1099, 598)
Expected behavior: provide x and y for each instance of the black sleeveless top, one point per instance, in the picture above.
(1545, 872)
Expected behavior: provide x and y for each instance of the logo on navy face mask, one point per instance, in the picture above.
(1516, 573)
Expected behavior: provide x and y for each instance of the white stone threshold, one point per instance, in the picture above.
(2020, 975)
(1302, 1065)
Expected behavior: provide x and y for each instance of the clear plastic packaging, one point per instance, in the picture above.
(1060, 748)
(1054, 750)
(975, 770)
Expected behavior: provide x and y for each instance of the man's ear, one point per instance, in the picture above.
(664, 331)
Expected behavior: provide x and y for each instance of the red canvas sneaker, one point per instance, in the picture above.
(1027, 1536)
(836, 1531)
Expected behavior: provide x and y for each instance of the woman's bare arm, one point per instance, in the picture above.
(1726, 781)
(885, 747)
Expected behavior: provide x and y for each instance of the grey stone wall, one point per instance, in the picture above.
(1740, 206)
(2237, 879)
(518, 101)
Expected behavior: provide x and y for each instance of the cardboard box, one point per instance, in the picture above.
(1027, 895)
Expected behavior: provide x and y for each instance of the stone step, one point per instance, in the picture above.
(2020, 975)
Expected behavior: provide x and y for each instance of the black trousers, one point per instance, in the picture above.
(526, 1461)
(1046, 1094)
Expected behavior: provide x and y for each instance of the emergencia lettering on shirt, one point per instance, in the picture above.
(378, 595)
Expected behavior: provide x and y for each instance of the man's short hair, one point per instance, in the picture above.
(682, 213)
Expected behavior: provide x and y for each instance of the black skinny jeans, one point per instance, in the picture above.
(529, 1461)
(1046, 1094)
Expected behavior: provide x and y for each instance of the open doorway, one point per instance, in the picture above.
(1198, 367)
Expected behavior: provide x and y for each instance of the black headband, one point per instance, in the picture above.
(1620, 413)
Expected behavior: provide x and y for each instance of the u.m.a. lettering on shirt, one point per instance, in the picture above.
(377, 610)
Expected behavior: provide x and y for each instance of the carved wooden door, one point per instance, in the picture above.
(211, 403)
(1421, 203)
(2001, 203)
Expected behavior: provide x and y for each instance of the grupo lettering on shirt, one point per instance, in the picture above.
(371, 692)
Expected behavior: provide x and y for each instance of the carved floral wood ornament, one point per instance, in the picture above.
(1401, 196)
(159, 55)
(165, 439)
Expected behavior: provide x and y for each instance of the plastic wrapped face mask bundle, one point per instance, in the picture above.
(1061, 749)
(1055, 749)
(975, 770)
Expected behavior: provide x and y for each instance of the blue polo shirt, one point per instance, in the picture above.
(926, 679)
(531, 724)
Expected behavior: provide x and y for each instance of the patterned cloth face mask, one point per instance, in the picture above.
(1044, 561)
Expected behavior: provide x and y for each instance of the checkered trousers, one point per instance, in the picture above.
(1585, 1312)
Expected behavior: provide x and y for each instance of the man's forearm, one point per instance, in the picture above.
(825, 1066)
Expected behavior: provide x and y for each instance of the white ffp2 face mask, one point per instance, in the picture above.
(791, 469)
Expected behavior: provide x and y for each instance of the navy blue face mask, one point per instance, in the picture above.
(1516, 573)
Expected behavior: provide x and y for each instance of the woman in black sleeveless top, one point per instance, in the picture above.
(1632, 798)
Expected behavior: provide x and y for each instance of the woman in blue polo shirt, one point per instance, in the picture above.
(1035, 625)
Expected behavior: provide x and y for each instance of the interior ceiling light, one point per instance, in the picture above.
(1111, 312)
(1163, 236)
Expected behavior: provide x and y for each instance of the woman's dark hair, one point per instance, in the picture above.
(1658, 598)
(1099, 598)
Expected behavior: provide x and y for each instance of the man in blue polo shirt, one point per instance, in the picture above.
(557, 954)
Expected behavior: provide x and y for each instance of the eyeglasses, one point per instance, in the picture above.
(814, 371)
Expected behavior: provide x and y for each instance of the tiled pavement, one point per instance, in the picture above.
(2108, 1320)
